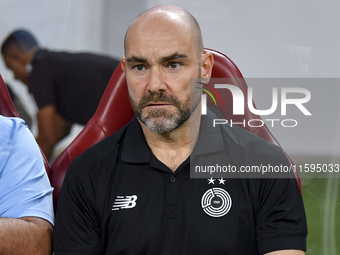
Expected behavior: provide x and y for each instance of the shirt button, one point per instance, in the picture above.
(172, 179)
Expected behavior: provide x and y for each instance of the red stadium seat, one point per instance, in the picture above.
(7, 109)
(114, 111)
(6, 104)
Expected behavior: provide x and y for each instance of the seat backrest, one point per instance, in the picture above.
(225, 68)
(114, 111)
(7, 109)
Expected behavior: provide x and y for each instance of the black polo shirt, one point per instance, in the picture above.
(118, 198)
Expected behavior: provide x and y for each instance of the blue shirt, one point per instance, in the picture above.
(25, 190)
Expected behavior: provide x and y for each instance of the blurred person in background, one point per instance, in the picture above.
(67, 87)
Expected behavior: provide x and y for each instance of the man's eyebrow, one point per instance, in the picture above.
(176, 55)
(173, 56)
(135, 59)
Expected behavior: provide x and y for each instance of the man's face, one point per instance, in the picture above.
(159, 65)
(17, 66)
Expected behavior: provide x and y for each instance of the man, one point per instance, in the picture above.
(67, 87)
(26, 212)
(132, 192)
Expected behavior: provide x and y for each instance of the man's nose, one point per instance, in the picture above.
(156, 81)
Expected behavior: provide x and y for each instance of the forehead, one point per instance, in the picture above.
(159, 36)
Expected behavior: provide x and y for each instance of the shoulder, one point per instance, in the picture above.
(49, 62)
(238, 137)
(96, 63)
(90, 58)
(9, 127)
(249, 142)
(257, 157)
(43, 55)
(9, 121)
(16, 138)
(105, 146)
(99, 155)
(241, 136)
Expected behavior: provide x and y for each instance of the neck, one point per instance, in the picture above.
(175, 147)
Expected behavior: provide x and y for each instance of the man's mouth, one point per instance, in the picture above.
(159, 104)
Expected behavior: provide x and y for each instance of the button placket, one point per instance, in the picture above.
(172, 198)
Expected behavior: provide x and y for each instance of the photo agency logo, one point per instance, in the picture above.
(222, 92)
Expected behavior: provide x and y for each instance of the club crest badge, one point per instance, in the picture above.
(216, 202)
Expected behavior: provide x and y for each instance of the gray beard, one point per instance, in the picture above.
(162, 121)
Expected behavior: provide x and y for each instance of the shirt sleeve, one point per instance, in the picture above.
(25, 190)
(281, 219)
(77, 227)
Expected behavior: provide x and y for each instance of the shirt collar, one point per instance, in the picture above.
(135, 149)
(210, 137)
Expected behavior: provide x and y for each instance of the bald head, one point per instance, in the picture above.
(167, 19)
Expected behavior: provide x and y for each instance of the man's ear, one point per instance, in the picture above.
(123, 63)
(207, 62)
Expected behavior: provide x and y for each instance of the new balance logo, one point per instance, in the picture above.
(126, 202)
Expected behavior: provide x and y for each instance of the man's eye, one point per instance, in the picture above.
(139, 68)
(174, 65)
